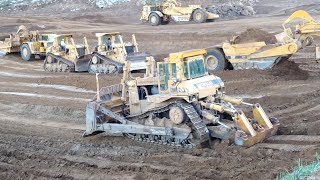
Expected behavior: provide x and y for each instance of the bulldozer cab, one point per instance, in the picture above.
(180, 67)
(112, 44)
(64, 45)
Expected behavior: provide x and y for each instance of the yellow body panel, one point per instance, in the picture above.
(176, 57)
(282, 50)
(242, 49)
(300, 14)
(308, 28)
(257, 50)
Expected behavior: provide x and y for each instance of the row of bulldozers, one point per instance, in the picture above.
(177, 102)
(61, 54)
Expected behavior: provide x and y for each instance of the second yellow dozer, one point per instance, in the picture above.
(111, 52)
(176, 103)
(66, 56)
(260, 55)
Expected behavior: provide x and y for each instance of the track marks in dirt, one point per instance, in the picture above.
(291, 143)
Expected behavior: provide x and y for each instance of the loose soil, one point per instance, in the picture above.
(255, 35)
(42, 123)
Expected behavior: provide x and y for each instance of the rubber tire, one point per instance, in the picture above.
(203, 16)
(29, 55)
(158, 19)
(219, 55)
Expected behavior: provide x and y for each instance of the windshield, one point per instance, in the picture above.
(196, 68)
(106, 40)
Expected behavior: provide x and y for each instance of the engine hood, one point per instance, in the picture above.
(203, 86)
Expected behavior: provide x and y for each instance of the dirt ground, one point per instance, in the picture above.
(43, 114)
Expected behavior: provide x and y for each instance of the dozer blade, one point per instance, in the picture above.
(257, 130)
(3, 53)
(137, 63)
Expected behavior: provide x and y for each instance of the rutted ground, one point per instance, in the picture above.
(43, 114)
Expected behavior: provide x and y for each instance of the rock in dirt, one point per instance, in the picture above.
(232, 9)
(255, 35)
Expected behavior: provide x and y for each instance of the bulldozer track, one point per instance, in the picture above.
(196, 123)
(108, 67)
(60, 64)
(164, 140)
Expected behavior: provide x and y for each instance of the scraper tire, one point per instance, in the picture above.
(215, 60)
(25, 51)
(154, 19)
(199, 16)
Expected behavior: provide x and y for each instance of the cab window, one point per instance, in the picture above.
(45, 38)
(173, 71)
(186, 70)
(164, 76)
(196, 68)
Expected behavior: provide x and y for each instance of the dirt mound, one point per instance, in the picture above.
(255, 35)
(289, 70)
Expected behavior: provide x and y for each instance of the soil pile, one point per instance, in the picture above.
(255, 35)
(289, 70)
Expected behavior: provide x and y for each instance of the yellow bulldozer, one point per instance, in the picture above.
(111, 52)
(261, 55)
(66, 56)
(176, 103)
(108, 56)
(28, 43)
(172, 10)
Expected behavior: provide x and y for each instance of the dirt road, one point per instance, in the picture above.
(43, 114)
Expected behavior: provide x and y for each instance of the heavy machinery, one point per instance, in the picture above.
(176, 103)
(36, 46)
(65, 56)
(260, 55)
(28, 43)
(305, 29)
(171, 10)
(12, 42)
(111, 52)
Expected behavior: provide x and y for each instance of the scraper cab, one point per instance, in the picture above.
(176, 103)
